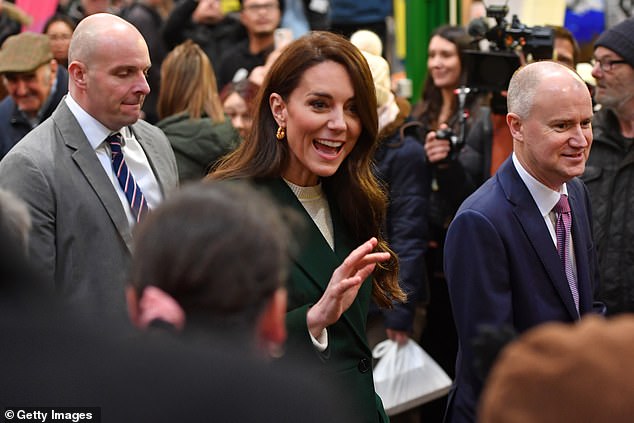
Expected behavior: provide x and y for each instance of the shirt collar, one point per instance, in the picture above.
(544, 197)
(94, 130)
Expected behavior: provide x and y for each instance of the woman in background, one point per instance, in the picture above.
(191, 113)
(59, 29)
(439, 109)
(237, 101)
(311, 148)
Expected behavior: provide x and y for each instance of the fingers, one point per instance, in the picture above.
(372, 258)
(355, 280)
(359, 253)
(436, 149)
(365, 271)
(358, 260)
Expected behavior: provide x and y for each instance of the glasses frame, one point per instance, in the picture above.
(606, 65)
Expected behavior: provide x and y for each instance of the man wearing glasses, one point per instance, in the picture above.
(260, 19)
(609, 173)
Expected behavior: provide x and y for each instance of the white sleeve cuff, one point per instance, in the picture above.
(321, 342)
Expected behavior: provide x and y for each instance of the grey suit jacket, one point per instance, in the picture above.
(81, 240)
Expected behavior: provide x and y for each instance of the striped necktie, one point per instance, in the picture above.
(132, 191)
(563, 232)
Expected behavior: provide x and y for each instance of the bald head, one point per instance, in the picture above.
(528, 80)
(96, 30)
(550, 119)
(109, 61)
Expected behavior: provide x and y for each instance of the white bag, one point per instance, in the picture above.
(407, 376)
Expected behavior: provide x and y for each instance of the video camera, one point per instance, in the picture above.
(492, 70)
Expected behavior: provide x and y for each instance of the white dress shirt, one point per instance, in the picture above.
(133, 153)
(546, 199)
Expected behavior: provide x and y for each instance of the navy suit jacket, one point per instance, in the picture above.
(502, 268)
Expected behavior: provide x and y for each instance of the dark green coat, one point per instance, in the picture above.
(198, 143)
(348, 359)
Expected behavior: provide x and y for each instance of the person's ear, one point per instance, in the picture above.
(514, 123)
(271, 327)
(132, 300)
(77, 73)
(278, 109)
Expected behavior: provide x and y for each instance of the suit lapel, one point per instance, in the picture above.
(534, 227)
(157, 160)
(316, 258)
(580, 237)
(89, 166)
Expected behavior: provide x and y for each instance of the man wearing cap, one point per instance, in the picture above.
(93, 169)
(35, 85)
(609, 173)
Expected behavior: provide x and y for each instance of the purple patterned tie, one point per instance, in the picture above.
(562, 229)
(132, 191)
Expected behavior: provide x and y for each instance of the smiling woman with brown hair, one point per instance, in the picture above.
(311, 147)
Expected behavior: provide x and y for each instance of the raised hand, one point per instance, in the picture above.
(344, 286)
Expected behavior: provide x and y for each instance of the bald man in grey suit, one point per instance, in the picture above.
(63, 169)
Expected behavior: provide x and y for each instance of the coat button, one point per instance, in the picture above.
(364, 365)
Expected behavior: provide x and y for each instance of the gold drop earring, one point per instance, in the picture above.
(281, 133)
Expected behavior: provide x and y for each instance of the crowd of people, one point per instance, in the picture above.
(179, 175)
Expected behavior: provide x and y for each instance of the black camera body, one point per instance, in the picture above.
(455, 142)
(492, 70)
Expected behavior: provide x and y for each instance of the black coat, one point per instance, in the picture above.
(215, 40)
(609, 176)
(150, 24)
(401, 166)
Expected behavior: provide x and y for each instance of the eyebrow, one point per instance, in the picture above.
(320, 94)
(326, 95)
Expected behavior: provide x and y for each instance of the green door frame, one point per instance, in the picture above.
(421, 18)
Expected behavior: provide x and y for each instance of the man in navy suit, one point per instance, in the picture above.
(501, 256)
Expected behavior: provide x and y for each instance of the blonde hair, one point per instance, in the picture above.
(188, 84)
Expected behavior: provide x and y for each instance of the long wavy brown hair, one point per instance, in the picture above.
(353, 187)
(188, 84)
(427, 110)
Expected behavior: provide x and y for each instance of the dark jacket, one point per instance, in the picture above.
(347, 362)
(8, 27)
(198, 143)
(457, 179)
(239, 57)
(450, 182)
(318, 19)
(609, 176)
(14, 125)
(215, 40)
(401, 166)
(503, 270)
(356, 12)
